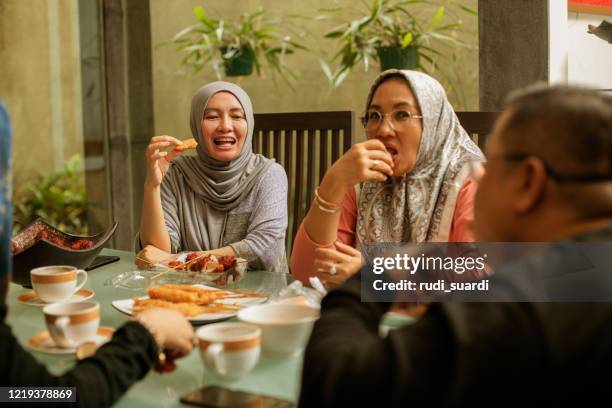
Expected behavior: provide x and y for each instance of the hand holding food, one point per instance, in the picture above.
(158, 159)
(173, 333)
(368, 160)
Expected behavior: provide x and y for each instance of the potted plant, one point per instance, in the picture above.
(59, 198)
(236, 46)
(391, 33)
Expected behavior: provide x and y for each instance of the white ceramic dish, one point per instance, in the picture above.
(285, 328)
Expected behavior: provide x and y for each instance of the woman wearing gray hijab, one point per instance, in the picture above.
(407, 183)
(226, 200)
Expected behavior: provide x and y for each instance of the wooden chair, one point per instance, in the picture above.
(478, 124)
(305, 144)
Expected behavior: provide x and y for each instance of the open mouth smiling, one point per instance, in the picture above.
(225, 141)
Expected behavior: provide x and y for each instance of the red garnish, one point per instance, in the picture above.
(79, 244)
(191, 256)
(228, 262)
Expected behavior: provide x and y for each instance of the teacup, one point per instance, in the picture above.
(55, 284)
(229, 350)
(71, 324)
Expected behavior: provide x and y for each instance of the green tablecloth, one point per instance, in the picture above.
(275, 377)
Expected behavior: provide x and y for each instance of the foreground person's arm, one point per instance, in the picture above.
(455, 354)
(346, 363)
(99, 380)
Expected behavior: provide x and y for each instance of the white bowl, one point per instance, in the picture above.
(284, 328)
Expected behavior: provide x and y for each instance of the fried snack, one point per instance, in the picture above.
(171, 294)
(187, 309)
(186, 145)
(184, 293)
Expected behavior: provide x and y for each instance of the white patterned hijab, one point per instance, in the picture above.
(419, 206)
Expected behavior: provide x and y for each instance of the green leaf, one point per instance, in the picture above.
(199, 12)
(438, 17)
(334, 34)
(341, 76)
(326, 70)
(407, 40)
(375, 8)
(453, 26)
(468, 9)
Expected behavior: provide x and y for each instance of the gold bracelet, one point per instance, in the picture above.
(324, 209)
(327, 204)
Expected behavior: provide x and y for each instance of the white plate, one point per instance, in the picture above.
(126, 305)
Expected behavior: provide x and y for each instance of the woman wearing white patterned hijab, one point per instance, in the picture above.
(407, 183)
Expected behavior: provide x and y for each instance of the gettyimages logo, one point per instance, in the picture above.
(487, 272)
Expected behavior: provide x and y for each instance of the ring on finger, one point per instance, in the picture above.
(374, 164)
(332, 270)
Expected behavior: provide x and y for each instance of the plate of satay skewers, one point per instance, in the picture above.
(199, 303)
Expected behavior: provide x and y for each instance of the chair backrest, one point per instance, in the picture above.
(306, 144)
(478, 124)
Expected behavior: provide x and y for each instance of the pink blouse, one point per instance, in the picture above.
(303, 254)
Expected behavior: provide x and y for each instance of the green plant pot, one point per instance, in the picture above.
(398, 58)
(241, 63)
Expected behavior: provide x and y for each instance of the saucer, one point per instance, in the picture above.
(31, 299)
(44, 343)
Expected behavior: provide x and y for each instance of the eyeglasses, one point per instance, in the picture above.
(476, 170)
(397, 119)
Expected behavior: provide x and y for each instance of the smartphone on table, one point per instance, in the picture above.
(219, 397)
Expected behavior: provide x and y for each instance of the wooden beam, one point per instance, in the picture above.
(140, 92)
(114, 40)
(97, 186)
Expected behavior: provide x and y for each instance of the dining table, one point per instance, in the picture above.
(276, 377)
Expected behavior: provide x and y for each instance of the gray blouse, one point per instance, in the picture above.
(255, 229)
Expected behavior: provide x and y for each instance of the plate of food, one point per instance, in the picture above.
(207, 268)
(199, 303)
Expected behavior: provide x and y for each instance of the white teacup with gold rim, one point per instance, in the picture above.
(229, 350)
(55, 284)
(71, 324)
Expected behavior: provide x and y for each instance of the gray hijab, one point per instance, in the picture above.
(419, 206)
(221, 185)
